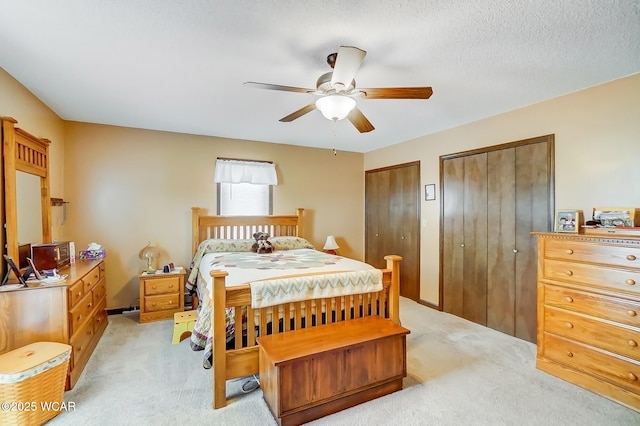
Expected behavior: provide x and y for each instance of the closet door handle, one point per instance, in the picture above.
(461, 245)
(515, 250)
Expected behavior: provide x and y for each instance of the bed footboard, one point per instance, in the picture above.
(242, 359)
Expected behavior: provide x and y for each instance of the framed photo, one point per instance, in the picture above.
(12, 268)
(430, 192)
(568, 221)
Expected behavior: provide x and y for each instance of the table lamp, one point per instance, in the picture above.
(149, 253)
(330, 246)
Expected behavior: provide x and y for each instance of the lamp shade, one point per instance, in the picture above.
(335, 107)
(331, 244)
(149, 253)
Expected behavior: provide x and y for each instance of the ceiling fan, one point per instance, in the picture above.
(337, 90)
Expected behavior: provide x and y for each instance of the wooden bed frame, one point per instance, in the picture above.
(242, 360)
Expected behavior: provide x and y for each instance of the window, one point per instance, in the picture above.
(235, 199)
(244, 187)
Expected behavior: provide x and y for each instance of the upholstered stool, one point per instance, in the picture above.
(183, 322)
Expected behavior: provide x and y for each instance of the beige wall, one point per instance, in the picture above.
(127, 187)
(597, 158)
(36, 118)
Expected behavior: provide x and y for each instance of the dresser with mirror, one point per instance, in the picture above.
(72, 311)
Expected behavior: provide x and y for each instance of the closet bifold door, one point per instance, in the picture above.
(493, 199)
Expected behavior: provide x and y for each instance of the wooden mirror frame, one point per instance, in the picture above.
(24, 152)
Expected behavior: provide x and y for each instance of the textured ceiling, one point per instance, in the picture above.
(179, 65)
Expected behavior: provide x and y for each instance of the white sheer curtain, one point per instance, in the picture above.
(239, 171)
(244, 187)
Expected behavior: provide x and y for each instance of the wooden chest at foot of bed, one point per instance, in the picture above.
(310, 373)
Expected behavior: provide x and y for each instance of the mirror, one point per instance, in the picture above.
(29, 208)
(27, 203)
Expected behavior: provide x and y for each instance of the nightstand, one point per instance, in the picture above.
(161, 295)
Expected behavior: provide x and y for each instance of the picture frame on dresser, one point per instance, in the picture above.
(568, 221)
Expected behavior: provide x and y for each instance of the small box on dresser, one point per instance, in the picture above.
(161, 295)
(589, 312)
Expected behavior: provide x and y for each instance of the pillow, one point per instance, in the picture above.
(224, 245)
(290, 243)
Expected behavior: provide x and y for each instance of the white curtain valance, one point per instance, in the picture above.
(238, 171)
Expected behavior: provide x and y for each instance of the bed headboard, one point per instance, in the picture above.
(241, 227)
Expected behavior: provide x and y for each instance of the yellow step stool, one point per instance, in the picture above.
(183, 322)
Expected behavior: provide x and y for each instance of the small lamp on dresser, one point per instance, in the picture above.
(330, 246)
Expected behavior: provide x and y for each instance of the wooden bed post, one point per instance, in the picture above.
(218, 328)
(299, 212)
(195, 236)
(393, 263)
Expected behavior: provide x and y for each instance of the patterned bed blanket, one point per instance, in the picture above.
(246, 267)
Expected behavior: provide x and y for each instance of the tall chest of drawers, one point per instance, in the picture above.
(589, 313)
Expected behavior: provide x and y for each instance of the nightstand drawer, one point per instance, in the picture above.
(162, 285)
(161, 303)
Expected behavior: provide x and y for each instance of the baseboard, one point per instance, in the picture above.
(118, 311)
(429, 305)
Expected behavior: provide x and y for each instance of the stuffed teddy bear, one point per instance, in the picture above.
(262, 244)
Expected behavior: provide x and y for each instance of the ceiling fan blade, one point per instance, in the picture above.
(398, 93)
(278, 87)
(347, 65)
(357, 118)
(299, 113)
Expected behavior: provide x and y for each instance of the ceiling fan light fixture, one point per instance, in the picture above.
(335, 107)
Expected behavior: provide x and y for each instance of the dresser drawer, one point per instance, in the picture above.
(99, 291)
(622, 373)
(100, 315)
(584, 273)
(612, 308)
(79, 314)
(595, 253)
(162, 285)
(91, 279)
(589, 330)
(75, 292)
(161, 303)
(81, 340)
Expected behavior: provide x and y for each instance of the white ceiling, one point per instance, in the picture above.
(179, 65)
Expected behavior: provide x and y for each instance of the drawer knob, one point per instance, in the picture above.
(153, 287)
(632, 377)
(632, 313)
(630, 282)
(633, 343)
(569, 354)
(170, 285)
(569, 273)
(171, 302)
(569, 251)
(631, 257)
(569, 325)
(569, 299)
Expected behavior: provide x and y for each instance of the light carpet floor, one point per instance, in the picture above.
(459, 373)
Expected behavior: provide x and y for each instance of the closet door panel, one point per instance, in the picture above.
(452, 261)
(501, 176)
(410, 233)
(376, 217)
(475, 238)
(532, 207)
